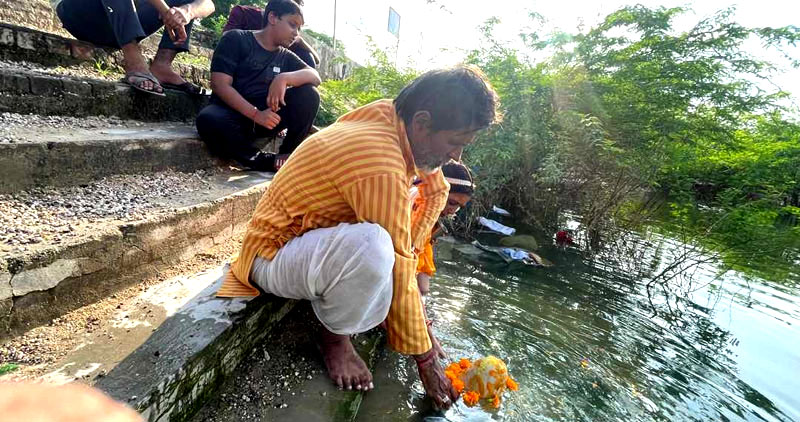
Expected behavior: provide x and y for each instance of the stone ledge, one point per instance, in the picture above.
(89, 154)
(169, 349)
(25, 44)
(112, 257)
(30, 93)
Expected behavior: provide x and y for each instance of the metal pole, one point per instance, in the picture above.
(334, 26)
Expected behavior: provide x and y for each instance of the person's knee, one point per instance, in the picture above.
(378, 257)
(307, 97)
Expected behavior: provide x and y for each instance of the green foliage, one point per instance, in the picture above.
(325, 39)
(217, 20)
(633, 108)
(365, 85)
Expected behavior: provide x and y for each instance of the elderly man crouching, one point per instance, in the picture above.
(335, 227)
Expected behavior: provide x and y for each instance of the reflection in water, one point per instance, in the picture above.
(585, 345)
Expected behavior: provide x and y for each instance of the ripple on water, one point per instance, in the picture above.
(585, 345)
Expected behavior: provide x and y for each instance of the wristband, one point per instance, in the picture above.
(253, 118)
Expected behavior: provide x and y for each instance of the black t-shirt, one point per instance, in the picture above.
(252, 67)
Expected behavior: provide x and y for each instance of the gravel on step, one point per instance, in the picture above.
(53, 214)
(17, 128)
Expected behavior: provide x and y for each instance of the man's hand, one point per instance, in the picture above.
(267, 118)
(436, 384)
(175, 19)
(277, 93)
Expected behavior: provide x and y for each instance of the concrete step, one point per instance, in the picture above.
(63, 248)
(23, 44)
(284, 378)
(164, 350)
(23, 90)
(38, 151)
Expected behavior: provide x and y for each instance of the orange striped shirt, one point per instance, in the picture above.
(359, 169)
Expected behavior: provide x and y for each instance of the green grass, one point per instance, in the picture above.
(202, 62)
(8, 367)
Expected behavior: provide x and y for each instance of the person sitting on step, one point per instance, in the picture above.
(260, 88)
(334, 227)
(122, 24)
(461, 190)
(251, 18)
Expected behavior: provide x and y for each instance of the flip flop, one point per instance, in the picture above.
(135, 79)
(186, 87)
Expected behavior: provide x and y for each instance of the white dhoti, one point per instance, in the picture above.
(345, 271)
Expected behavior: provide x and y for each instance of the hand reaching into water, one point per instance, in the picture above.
(436, 384)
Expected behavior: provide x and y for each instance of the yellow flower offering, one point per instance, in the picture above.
(484, 379)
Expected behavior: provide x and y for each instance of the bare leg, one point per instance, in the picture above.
(345, 367)
(161, 67)
(134, 61)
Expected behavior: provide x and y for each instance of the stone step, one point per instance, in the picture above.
(39, 15)
(38, 151)
(163, 350)
(63, 248)
(30, 92)
(284, 378)
(23, 44)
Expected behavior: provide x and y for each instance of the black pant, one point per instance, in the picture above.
(231, 135)
(114, 23)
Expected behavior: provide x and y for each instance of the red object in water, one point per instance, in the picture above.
(563, 238)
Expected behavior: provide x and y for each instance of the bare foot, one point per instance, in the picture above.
(161, 67)
(345, 367)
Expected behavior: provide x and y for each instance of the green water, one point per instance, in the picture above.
(732, 353)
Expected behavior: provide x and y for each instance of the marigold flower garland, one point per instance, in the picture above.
(485, 378)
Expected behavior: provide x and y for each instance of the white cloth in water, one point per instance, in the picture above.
(345, 271)
(516, 254)
(500, 211)
(497, 227)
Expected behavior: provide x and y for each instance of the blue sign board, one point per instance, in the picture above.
(394, 22)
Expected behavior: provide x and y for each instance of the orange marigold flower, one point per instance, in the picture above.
(454, 368)
(511, 384)
(464, 363)
(471, 398)
(496, 402)
(458, 384)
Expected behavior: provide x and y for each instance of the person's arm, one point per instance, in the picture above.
(383, 199)
(199, 9)
(176, 18)
(299, 74)
(433, 191)
(222, 86)
(226, 57)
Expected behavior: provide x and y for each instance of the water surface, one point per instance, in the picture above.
(584, 343)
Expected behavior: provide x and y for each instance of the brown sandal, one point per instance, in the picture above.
(136, 80)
